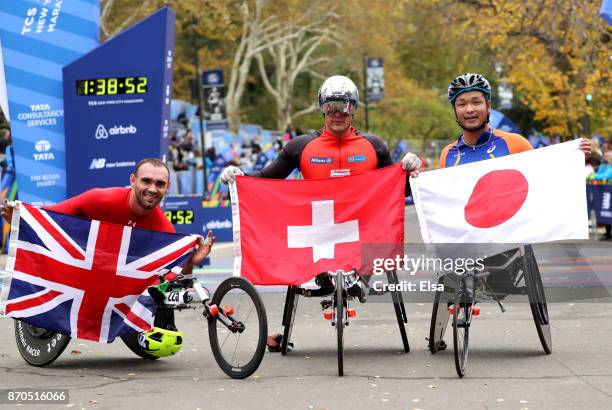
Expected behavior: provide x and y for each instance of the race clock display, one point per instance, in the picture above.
(112, 86)
(180, 216)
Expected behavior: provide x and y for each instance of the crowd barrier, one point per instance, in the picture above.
(599, 196)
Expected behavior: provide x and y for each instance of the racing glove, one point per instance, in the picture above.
(411, 162)
(229, 174)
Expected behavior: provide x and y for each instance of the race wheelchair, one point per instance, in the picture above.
(336, 308)
(514, 272)
(237, 325)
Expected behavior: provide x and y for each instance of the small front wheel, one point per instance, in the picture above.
(39, 347)
(240, 347)
(537, 299)
(340, 308)
(462, 319)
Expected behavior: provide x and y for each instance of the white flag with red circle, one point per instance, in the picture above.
(531, 197)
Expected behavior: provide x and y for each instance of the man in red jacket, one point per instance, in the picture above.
(337, 150)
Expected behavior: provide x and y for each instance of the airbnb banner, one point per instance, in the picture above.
(288, 231)
(531, 197)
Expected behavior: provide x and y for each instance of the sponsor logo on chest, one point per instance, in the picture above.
(356, 158)
(321, 160)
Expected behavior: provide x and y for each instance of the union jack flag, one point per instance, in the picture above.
(87, 279)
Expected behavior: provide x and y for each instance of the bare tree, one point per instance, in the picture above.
(106, 6)
(295, 55)
(258, 34)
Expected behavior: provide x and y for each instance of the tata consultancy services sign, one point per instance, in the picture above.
(117, 104)
(38, 39)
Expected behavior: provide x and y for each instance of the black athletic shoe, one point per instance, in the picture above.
(359, 290)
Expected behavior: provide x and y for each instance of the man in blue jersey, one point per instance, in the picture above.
(470, 96)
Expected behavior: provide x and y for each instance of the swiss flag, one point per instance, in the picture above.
(288, 231)
(531, 197)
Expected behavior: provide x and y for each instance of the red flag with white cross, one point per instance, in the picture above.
(288, 231)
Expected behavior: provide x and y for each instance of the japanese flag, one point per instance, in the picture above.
(531, 197)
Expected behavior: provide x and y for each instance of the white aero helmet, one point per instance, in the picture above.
(338, 93)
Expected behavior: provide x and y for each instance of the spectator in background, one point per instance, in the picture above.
(245, 162)
(591, 165)
(278, 144)
(256, 146)
(288, 135)
(211, 155)
(604, 174)
(5, 142)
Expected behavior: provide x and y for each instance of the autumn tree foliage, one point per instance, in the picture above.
(555, 52)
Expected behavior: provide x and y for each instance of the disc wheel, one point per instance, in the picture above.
(537, 299)
(239, 349)
(39, 347)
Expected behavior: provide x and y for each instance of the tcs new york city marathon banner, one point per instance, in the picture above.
(39, 37)
(117, 101)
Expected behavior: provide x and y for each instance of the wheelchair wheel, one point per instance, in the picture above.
(340, 302)
(439, 320)
(163, 318)
(239, 348)
(537, 299)
(39, 347)
(462, 318)
(291, 302)
(400, 311)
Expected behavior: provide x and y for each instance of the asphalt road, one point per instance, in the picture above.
(507, 368)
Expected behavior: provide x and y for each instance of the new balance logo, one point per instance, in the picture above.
(97, 163)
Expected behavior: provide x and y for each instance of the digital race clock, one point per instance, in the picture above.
(180, 216)
(112, 86)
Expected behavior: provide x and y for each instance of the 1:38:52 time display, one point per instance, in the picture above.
(180, 216)
(112, 86)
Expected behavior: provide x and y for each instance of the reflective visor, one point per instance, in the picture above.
(331, 107)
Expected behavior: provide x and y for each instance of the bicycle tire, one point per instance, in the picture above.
(437, 326)
(290, 309)
(236, 370)
(340, 299)
(462, 318)
(537, 299)
(163, 317)
(400, 312)
(39, 347)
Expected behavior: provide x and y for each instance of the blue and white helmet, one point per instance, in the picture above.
(339, 88)
(468, 82)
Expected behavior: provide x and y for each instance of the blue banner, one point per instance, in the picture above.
(214, 100)
(39, 37)
(375, 79)
(602, 203)
(117, 101)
